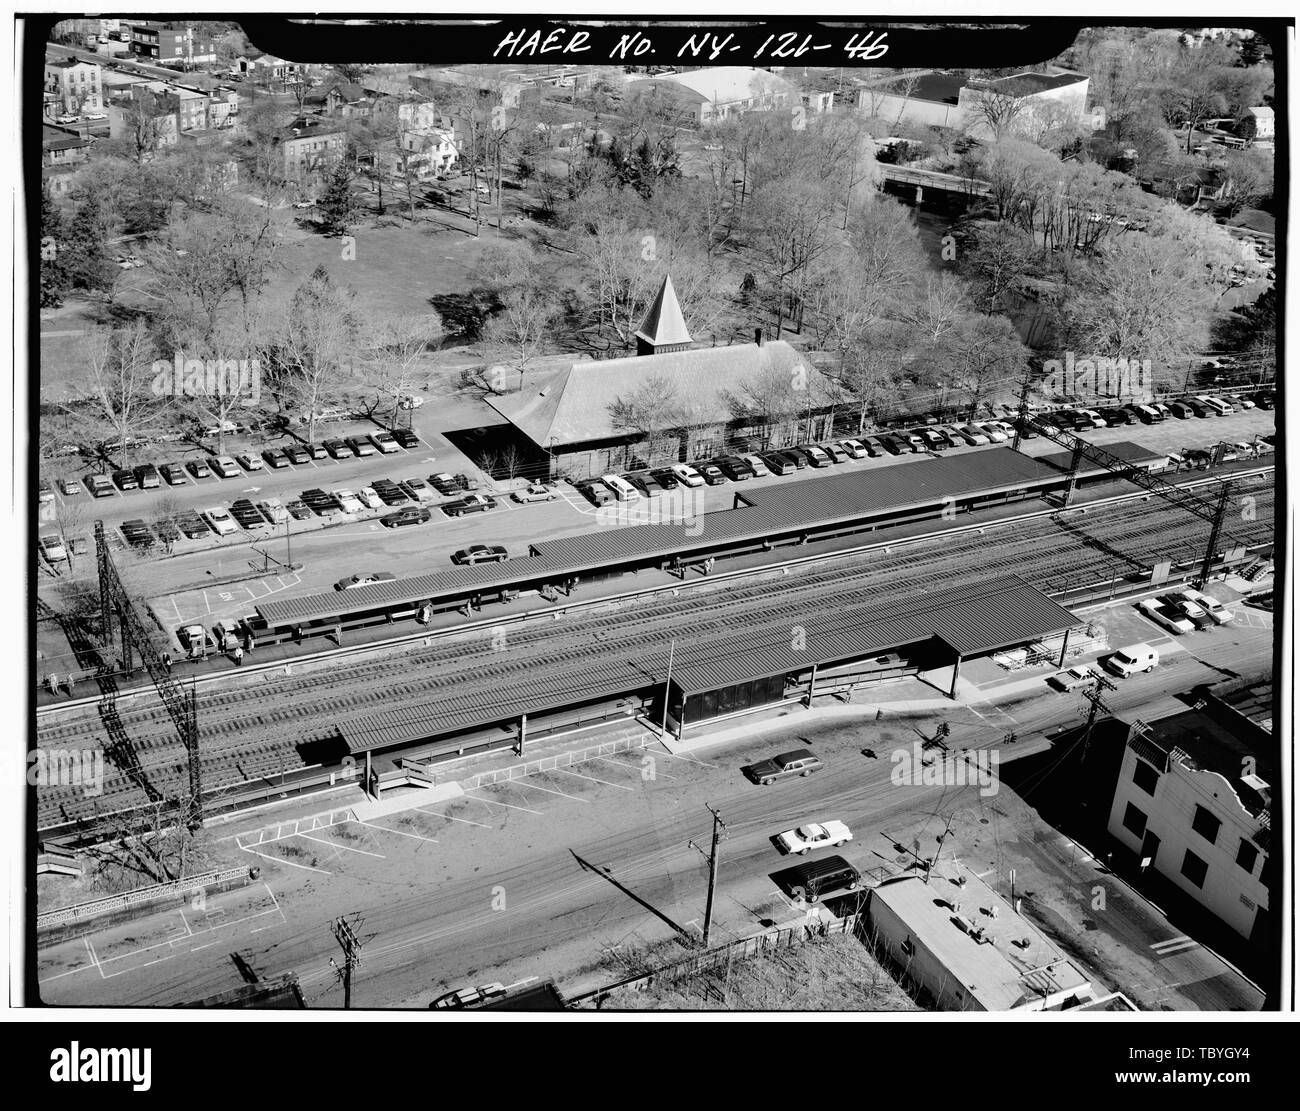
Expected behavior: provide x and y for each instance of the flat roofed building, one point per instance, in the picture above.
(965, 947)
(709, 95)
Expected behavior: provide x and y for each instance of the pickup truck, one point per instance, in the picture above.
(785, 766)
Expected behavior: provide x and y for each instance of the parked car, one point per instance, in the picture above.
(621, 488)
(99, 486)
(973, 435)
(644, 485)
(1073, 677)
(785, 766)
(146, 474)
(191, 524)
(1199, 408)
(687, 476)
(735, 468)
(275, 457)
(835, 451)
(348, 501)
(52, 548)
(1188, 611)
(856, 449)
(361, 446)
(406, 437)
(595, 492)
(369, 497)
(534, 491)
(1132, 659)
(1197, 458)
(418, 489)
(319, 502)
(445, 484)
(817, 878)
(1265, 399)
(199, 468)
(299, 510)
(125, 480)
(777, 463)
(273, 510)
(338, 449)
(757, 467)
(1180, 410)
(711, 474)
(317, 451)
(1218, 404)
(69, 487)
(993, 432)
(816, 835)
(411, 515)
(474, 503)
(247, 514)
(468, 997)
(297, 454)
(1218, 612)
(1165, 616)
(815, 456)
(1117, 417)
(137, 534)
(173, 474)
(225, 467)
(385, 442)
(364, 579)
(480, 553)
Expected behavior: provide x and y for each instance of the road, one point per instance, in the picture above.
(495, 887)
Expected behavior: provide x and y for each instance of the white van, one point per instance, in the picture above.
(1129, 661)
(623, 490)
(1217, 404)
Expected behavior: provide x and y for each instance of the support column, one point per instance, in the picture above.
(367, 771)
(812, 685)
(956, 674)
(523, 733)
(1065, 643)
(1076, 458)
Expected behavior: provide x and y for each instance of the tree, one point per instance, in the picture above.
(996, 112)
(54, 272)
(517, 333)
(768, 398)
(117, 380)
(146, 122)
(1194, 98)
(320, 337)
(996, 263)
(396, 346)
(937, 312)
(1247, 178)
(789, 224)
(980, 352)
(336, 207)
(651, 410)
(85, 254)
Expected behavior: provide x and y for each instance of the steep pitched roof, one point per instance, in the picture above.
(664, 324)
(571, 405)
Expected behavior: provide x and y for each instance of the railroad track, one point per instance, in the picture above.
(248, 725)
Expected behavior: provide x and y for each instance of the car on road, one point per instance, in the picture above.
(338, 449)
(816, 878)
(411, 515)
(472, 503)
(296, 454)
(777, 463)
(99, 486)
(369, 497)
(534, 491)
(52, 548)
(785, 766)
(146, 474)
(299, 510)
(275, 457)
(173, 474)
(595, 492)
(480, 553)
(361, 446)
(1218, 612)
(273, 510)
(711, 474)
(225, 467)
(1073, 677)
(1132, 659)
(137, 534)
(384, 441)
(125, 480)
(1167, 617)
(468, 997)
(687, 476)
(348, 501)
(406, 437)
(364, 578)
(247, 514)
(191, 524)
(815, 835)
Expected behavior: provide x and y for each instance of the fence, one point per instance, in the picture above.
(139, 897)
(744, 947)
(553, 763)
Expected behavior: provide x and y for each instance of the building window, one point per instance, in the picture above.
(1247, 854)
(1135, 821)
(1194, 868)
(1146, 777)
(1206, 824)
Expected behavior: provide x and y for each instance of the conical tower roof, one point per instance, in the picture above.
(663, 325)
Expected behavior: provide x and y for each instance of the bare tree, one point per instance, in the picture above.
(651, 409)
(118, 380)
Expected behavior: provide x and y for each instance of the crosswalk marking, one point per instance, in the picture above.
(1174, 945)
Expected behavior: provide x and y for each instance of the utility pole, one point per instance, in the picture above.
(1096, 705)
(344, 929)
(719, 826)
(947, 829)
(1216, 530)
(1023, 414)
